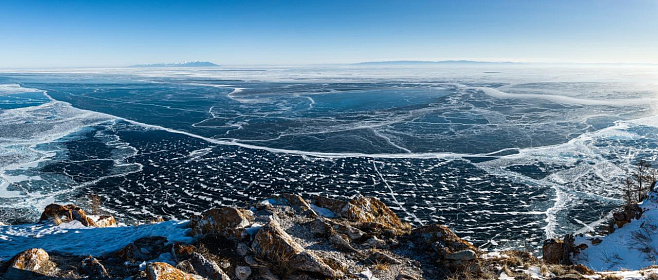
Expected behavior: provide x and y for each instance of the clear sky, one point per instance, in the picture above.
(115, 33)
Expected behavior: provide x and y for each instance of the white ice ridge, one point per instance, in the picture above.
(565, 99)
(74, 238)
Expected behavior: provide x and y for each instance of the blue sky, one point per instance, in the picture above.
(115, 33)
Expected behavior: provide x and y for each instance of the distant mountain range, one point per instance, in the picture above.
(423, 62)
(181, 64)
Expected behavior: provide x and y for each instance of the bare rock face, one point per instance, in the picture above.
(364, 210)
(164, 271)
(93, 268)
(29, 264)
(444, 242)
(272, 243)
(207, 268)
(59, 214)
(226, 221)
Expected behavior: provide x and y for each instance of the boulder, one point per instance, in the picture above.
(30, 264)
(93, 268)
(552, 251)
(207, 268)
(273, 244)
(165, 271)
(105, 221)
(299, 204)
(226, 221)
(242, 272)
(463, 255)
(364, 211)
(144, 249)
(59, 214)
(441, 239)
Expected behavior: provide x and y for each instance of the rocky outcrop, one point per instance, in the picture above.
(143, 249)
(30, 264)
(93, 268)
(226, 221)
(365, 211)
(59, 214)
(275, 245)
(207, 268)
(165, 271)
(444, 243)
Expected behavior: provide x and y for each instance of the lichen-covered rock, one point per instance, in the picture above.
(363, 211)
(273, 244)
(207, 268)
(164, 271)
(463, 255)
(93, 268)
(441, 239)
(59, 214)
(30, 262)
(226, 221)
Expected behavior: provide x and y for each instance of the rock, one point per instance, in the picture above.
(364, 210)
(375, 242)
(105, 221)
(250, 260)
(182, 251)
(272, 243)
(441, 239)
(242, 249)
(405, 276)
(59, 214)
(29, 264)
(186, 267)
(319, 227)
(164, 271)
(552, 251)
(299, 205)
(266, 274)
(93, 268)
(242, 272)
(379, 257)
(463, 255)
(226, 221)
(207, 268)
(341, 243)
(144, 249)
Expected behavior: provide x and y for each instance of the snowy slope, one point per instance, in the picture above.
(74, 238)
(632, 247)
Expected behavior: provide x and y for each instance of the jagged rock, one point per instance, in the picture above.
(364, 210)
(105, 221)
(441, 239)
(242, 272)
(341, 244)
(226, 221)
(93, 268)
(186, 267)
(405, 276)
(181, 251)
(30, 262)
(59, 214)
(164, 271)
(143, 249)
(552, 251)
(207, 268)
(242, 249)
(272, 243)
(379, 257)
(375, 242)
(299, 204)
(463, 255)
(319, 227)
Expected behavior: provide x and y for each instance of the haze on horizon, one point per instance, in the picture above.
(120, 33)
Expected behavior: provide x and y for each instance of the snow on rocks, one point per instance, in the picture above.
(225, 221)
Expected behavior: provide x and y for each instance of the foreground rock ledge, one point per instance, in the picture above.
(285, 237)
